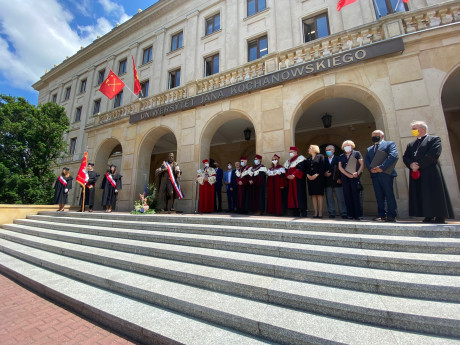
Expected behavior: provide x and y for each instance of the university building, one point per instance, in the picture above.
(221, 79)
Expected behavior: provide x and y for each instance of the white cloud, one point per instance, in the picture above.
(37, 34)
(114, 9)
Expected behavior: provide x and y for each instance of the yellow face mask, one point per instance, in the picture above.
(415, 133)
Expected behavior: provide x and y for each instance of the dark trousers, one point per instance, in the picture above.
(218, 199)
(235, 199)
(383, 189)
(352, 197)
(230, 200)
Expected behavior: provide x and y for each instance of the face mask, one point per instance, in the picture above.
(415, 133)
(376, 139)
(347, 148)
(229, 167)
(207, 165)
(256, 161)
(291, 154)
(328, 153)
(242, 163)
(275, 162)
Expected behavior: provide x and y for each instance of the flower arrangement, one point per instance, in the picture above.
(141, 206)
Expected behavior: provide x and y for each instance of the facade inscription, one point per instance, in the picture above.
(275, 78)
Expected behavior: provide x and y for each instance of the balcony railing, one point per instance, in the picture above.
(397, 24)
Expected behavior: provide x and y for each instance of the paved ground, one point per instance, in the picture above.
(27, 319)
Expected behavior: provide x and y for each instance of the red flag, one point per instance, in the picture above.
(82, 176)
(343, 3)
(112, 85)
(137, 84)
(405, 1)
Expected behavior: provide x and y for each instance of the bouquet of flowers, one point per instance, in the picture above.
(141, 206)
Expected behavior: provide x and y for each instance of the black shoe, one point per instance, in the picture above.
(428, 220)
(390, 220)
(344, 217)
(439, 220)
(380, 219)
(331, 216)
(358, 218)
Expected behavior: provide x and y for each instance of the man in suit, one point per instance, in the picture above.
(230, 184)
(383, 174)
(428, 195)
(334, 184)
(218, 188)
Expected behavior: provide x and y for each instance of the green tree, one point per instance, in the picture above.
(31, 141)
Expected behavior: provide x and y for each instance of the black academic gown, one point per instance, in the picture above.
(109, 197)
(90, 189)
(60, 196)
(428, 196)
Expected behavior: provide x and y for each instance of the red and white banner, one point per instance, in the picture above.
(111, 180)
(173, 181)
(82, 176)
(62, 180)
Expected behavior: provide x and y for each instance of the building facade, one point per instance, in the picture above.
(221, 79)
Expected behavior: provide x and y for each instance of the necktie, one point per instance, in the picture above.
(376, 147)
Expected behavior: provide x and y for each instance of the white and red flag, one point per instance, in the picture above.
(82, 176)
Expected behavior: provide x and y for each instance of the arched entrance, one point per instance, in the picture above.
(154, 149)
(110, 152)
(353, 115)
(451, 106)
(227, 137)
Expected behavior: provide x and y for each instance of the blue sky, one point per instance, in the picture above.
(36, 34)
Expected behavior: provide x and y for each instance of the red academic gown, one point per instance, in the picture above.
(206, 190)
(297, 194)
(275, 182)
(243, 175)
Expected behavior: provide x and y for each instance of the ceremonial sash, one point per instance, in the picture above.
(173, 181)
(111, 180)
(63, 181)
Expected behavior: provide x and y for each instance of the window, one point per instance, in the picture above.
(174, 79)
(118, 100)
(213, 24)
(97, 106)
(255, 6)
(73, 146)
(176, 41)
(67, 93)
(147, 56)
(315, 27)
(100, 76)
(122, 67)
(144, 89)
(384, 7)
(54, 98)
(211, 65)
(77, 114)
(83, 86)
(257, 48)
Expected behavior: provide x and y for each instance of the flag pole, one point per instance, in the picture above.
(84, 199)
(397, 4)
(130, 90)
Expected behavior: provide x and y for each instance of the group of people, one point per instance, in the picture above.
(111, 184)
(274, 190)
(285, 186)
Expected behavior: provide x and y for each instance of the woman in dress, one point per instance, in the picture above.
(61, 189)
(111, 184)
(350, 179)
(315, 179)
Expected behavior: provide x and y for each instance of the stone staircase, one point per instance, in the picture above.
(186, 279)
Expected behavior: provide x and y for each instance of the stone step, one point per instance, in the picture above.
(246, 315)
(405, 228)
(184, 250)
(404, 284)
(133, 318)
(168, 233)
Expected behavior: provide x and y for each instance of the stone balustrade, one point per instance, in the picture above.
(397, 24)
